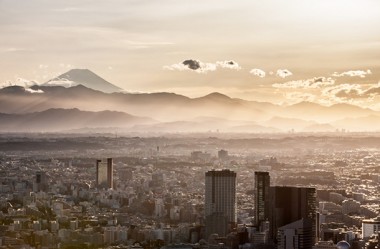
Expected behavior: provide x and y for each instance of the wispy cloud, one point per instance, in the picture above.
(343, 91)
(316, 82)
(61, 82)
(352, 91)
(353, 73)
(283, 73)
(258, 72)
(30, 90)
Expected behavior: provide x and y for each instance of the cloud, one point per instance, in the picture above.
(316, 82)
(19, 82)
(228, 64)
(193, 65)
(24, 82)
(283, 73)
(33, 91)
(343, 92)
(353, 73)
(202, 67)
(257, 72)
(353, 91)
(373, 90)
(61, 82)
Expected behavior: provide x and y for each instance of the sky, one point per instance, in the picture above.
(324, 51)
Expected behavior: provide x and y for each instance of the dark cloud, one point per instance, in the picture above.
(192, 64)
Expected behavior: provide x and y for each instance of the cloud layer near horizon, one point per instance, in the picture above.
(332, 90)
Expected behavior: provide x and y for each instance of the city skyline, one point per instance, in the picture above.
(323, 189)
(323, 52)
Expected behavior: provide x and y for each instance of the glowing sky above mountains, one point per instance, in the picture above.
(278, 51)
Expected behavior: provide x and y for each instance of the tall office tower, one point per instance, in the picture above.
(290, 204)
(104, 173)
(41, 183)
(220, 201)
(262, 183)
(223, 155)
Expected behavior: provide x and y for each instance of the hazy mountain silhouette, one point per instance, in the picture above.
(214, 111)
(313, 111)
(83, 77)
(67, 119)
(367, 123)
(288, 124)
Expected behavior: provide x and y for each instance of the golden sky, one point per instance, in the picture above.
(325, 51)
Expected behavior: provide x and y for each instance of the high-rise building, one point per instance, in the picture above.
(223, 155)
(220, 201)
(290, 204)
(104, 173)
(262, 183)
(370, 227)
(41, 183)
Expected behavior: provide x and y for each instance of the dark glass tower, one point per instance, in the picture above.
(290, 204)
(262, 183)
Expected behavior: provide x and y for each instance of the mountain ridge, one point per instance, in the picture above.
(58, 119)
(219, 111)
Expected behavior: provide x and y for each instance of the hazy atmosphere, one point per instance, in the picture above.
(283, 52)
(204, 124)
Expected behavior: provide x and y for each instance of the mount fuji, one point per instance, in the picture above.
(83, 77)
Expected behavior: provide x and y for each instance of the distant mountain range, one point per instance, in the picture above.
(80, 99)
(53, 120)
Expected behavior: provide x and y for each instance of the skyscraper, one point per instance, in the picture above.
(220, 201)
(290, 204)
(262, 183)
(41, 183)
(104, 173)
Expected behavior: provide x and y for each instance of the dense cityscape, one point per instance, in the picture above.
(212, 124)
(193, 191)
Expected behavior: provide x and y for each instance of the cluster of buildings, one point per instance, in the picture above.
(178, 202)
